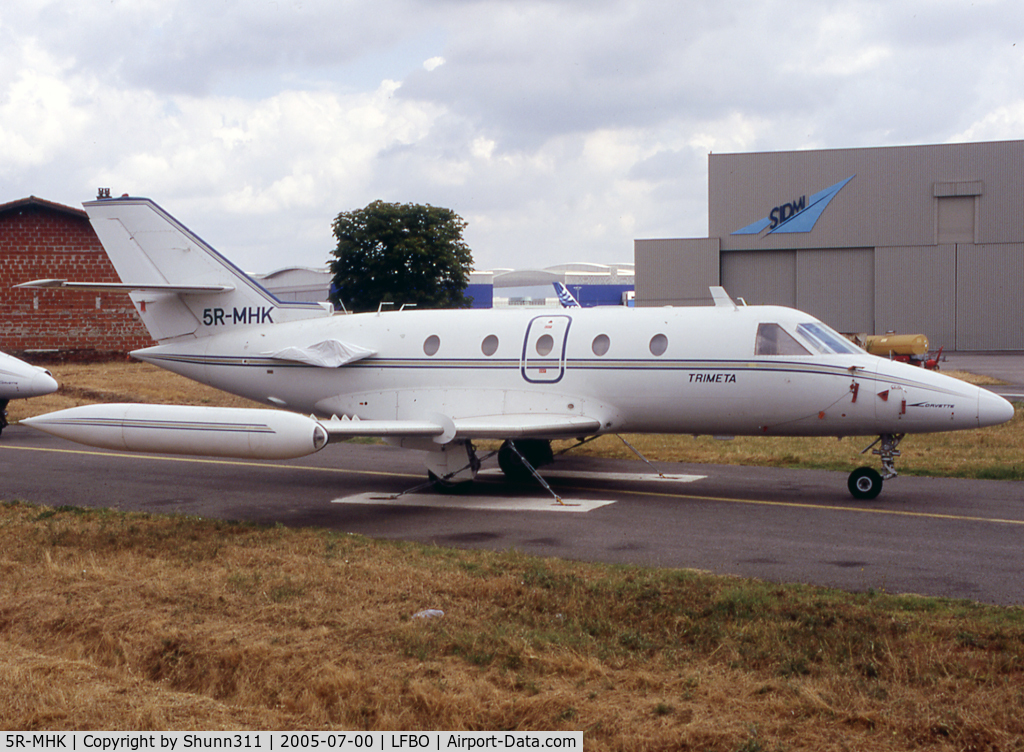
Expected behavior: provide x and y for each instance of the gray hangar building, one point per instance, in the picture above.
(912, 239)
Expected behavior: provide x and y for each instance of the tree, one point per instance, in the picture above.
(400, 253)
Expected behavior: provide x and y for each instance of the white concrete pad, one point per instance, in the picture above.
(585, 475)
(466, 501)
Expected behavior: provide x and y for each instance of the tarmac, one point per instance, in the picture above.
(1007, 366)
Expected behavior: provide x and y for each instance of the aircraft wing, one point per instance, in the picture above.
(516, 426)
(346, 428)
(519, 426)
(274, 434)
(63, 284)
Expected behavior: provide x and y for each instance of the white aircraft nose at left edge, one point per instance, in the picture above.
(436, 381)
(19, 380)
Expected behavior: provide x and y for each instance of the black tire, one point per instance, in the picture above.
(865, 483)
(536, 451)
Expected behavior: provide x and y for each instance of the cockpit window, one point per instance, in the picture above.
(772, 339)
(826, 340)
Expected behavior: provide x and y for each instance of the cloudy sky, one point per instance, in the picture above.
(561, 130)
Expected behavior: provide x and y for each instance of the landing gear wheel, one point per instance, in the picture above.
(865, 483)
(536, 451)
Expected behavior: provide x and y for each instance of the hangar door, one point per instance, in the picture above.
(760, 277)
(836, 285)
(989, 304)
(916, 292)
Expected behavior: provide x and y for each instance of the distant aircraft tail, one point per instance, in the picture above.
(180, 286)
(565, 297)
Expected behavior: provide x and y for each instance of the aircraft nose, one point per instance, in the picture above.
(993, 409)
(42, 383)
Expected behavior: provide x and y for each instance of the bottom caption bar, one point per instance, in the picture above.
(292, 740)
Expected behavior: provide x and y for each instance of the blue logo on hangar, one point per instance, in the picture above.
(796, 216)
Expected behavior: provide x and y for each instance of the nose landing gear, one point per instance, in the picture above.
(865, 482)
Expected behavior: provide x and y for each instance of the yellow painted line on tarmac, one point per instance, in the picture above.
(829, 507)
(208, 461)
(659, 494)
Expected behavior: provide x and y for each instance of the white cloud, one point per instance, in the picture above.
(559, 130)
(1001, 124)
(39, 111)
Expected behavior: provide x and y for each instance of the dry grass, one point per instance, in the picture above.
(126, 621)
(121, 381)
(975, 378)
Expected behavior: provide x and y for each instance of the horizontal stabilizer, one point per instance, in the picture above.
(63, 284)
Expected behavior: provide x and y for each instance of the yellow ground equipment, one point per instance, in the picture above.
(891, 345)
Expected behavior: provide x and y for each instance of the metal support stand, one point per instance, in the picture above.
(579, 443)
(533, 471)
(638, 454)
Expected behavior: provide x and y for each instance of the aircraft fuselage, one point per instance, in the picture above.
(649, 370)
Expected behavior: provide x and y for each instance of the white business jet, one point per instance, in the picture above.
(19, 380)
(436, 381)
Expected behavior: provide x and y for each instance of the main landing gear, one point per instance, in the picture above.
(452, 468)
(866, 482)
(520, 458)
(456, 464)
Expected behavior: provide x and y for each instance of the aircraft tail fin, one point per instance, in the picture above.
(179, 284)
(565, 297)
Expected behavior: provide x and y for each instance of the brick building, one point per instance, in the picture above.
(44, 240)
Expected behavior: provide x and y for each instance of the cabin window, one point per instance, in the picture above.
(772, 339)
(826, 340)
(545, 344)
(659, 344)
(432, 344)
(490, 345)
(600, 344)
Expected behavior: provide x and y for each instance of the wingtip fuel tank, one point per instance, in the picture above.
(183, 429)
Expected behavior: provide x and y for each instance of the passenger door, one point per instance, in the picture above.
(543, 359)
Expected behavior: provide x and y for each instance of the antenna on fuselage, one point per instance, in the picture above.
(722, 299)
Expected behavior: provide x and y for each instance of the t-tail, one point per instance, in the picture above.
(179, 284)
(565, 297)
